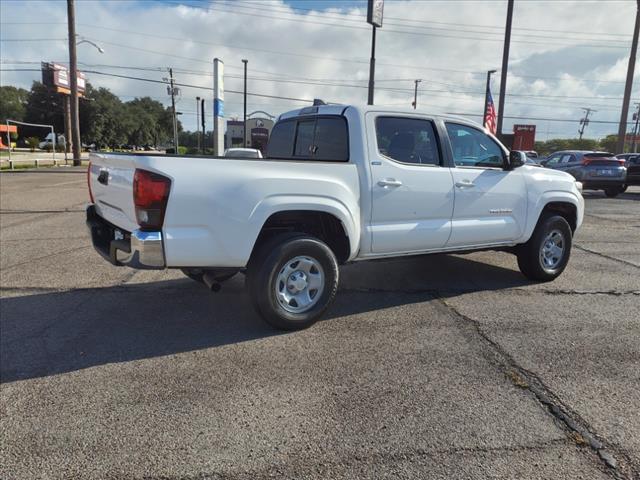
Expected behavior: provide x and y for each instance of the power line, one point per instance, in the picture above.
(403, 22)
(325, 84)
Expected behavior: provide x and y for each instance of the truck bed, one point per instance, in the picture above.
(218, 205)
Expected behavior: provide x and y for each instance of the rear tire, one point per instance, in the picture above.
(292, 279)
(613, 192)
(546, 254)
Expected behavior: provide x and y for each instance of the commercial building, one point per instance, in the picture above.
(258, 131)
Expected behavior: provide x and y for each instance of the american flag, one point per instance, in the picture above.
(490, 118)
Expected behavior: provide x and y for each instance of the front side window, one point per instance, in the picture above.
(407, 140)
(554, 160)
(473, 148)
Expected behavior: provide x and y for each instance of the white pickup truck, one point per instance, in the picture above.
(338, 184)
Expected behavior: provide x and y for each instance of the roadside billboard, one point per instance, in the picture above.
(56, 76)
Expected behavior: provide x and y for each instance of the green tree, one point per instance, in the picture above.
(609, 143)
(13, 101)
(33, 143)
(148, 122)
(102, 118)
(44, 106)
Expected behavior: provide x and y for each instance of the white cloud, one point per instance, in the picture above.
(314, 46)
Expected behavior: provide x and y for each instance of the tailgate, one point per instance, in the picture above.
(111, 181)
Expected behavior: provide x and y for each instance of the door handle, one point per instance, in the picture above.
(389, 182)
(465, 183)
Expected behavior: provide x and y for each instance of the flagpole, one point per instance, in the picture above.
(486, 98)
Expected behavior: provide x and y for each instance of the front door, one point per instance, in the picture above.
(490, 202)
(412, 190)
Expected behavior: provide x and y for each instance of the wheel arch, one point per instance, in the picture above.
(562, 203)
(333, 224)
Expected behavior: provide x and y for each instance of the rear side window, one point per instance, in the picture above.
(281, 140)
(304, 138)
(407, 140)
(319, 138)
(331, 141)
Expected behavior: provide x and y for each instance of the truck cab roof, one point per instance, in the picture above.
(339, 109)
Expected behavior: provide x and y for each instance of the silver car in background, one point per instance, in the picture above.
(595, 170)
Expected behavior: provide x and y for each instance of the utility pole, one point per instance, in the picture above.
(636, 117)
(244, 124)
(505, 66)
(486, 97)
(415, 94)
(622, 128)
(73, 73)
(204, 132)
(171, 90)
(585, 121)
(198, 121)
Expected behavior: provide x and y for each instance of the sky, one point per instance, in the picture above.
(565, 55)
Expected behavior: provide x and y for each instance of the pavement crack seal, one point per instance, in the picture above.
(578, 430)
(608, 257)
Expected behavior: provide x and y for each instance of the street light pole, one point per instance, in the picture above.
(415, 94)
(244, 124)
(505, 66)
(372, 65)
(486, 97)
(622, 128)
(204, 132)
(198, 121)
(73, 81)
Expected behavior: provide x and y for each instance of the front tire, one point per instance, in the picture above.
(292, 279)
(546, 254)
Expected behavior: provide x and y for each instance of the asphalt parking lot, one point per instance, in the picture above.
(449, 366)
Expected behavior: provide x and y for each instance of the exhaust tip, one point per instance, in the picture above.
(211, 283)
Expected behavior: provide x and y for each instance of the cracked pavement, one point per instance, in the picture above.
(447, 366)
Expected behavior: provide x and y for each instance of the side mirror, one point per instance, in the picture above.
(516, 159)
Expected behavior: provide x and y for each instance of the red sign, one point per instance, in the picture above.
(524, 137)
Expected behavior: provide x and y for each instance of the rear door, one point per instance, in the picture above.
(411, 189)
(111, 181)
(490, 202)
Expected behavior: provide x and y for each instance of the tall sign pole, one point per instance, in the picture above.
(505, 66)
(73, 83)
(218, 107)
(622, 128)
(374, 17)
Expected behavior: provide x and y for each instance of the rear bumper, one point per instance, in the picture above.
(602, 184)
(137, 249)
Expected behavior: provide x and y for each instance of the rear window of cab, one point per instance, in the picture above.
(319, 138)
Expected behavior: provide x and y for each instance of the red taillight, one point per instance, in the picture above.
(89, 182)
(150, 195)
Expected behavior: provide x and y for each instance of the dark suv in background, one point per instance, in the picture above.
(595, 170)
(632, 162)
